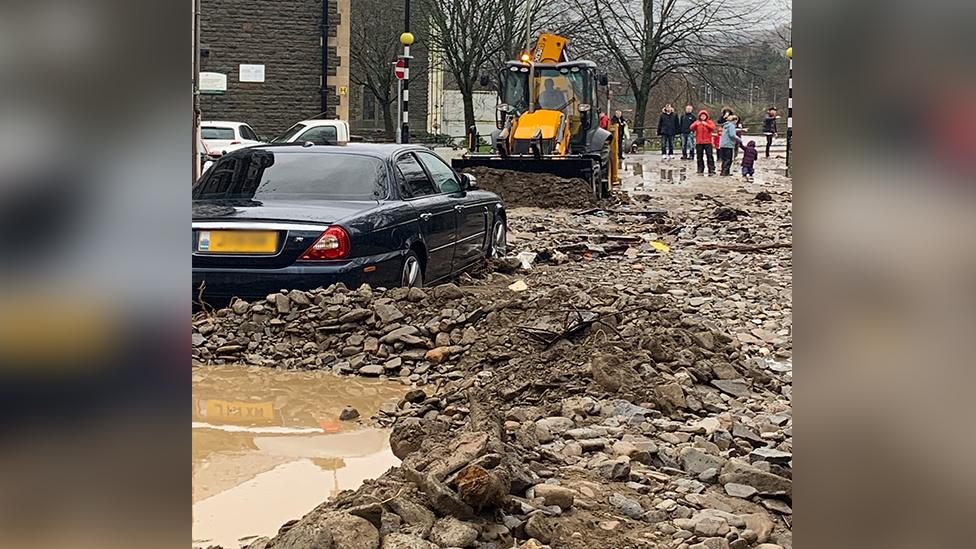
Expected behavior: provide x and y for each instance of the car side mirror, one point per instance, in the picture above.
(468, 182)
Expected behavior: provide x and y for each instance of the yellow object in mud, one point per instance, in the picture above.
(660, 246)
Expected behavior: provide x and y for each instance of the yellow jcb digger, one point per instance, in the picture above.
(547, 118)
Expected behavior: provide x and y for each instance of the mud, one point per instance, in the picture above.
(535, 190)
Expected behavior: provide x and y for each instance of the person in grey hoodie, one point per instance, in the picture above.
(728, 142)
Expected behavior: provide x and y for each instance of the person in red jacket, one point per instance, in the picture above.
(704, 127)
(604, 120)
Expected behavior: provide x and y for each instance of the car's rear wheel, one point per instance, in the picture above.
(499, 240)
(412, 274)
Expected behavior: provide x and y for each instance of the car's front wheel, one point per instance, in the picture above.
(499, 240)
(412, 274)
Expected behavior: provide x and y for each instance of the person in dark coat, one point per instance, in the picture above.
(667, 128)
(749, 156)
(687, 136)
(621, 122)
(769, 128)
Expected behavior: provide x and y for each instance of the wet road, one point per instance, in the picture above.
(268, 446)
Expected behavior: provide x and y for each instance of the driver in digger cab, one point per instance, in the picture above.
(551, 98)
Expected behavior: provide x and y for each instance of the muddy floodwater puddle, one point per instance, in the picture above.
(268, 446)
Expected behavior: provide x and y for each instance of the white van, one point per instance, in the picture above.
(316, 131)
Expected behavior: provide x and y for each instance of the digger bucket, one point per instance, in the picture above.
(566, 167)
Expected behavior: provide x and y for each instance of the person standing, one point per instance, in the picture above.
(749, 157)
(667, 128)
(618, 119)
(687, 137)
(604, 120)
(703, 128)
(769, 128)
(728, 142)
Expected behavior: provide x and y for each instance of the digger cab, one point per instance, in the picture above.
(547, 108)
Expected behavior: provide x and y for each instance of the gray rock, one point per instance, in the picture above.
(627, 506)
(414, 514)
(403, 334)
(696, 461)
(614, 469)
(772, 455)
(555, 495)
(406, 541)
(451, 532)
(733, 387)
(415, 396)
(355, 315)
(672, 395)
(712, 543)
(547, 429)
(387, 312)
(777, 506)
(447, 291)
(711, 526)
(198, 339)
(768, 484)
(282, 303)
(299, 297)
(348, 413)
(352, 532)
(761, 524)
(371, 370)
(540, 527)
(740, 490)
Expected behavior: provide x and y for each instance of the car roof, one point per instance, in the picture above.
(222, 123)
(320, 122)
(378, 150)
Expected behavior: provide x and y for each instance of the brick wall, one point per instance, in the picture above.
(284, 36)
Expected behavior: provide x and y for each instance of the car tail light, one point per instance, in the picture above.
(333, 244)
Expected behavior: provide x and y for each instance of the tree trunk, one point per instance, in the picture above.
(640, 110)
(388, 119)
(468, 97)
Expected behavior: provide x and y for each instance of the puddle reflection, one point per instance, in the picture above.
(268, 446)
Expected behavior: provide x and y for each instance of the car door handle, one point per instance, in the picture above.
(458, 208)
(425, 216)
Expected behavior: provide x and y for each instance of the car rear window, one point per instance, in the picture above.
(264, 175)
(216, 133)
(283, 138)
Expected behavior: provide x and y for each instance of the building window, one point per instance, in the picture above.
(369, 105)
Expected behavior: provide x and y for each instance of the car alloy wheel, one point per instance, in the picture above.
(412, 275)
(499, 240)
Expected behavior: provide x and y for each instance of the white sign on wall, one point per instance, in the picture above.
(252, 73)
(213, 82)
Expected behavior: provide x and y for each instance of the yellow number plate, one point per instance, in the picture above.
(217, 242)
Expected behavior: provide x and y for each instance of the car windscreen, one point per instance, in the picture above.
(257, 174)
(283, 138)
(210, 132)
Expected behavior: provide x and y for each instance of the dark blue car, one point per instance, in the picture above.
(274, 217)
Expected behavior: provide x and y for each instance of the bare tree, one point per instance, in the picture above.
(373, 46)
(474, 36)
(649, 41)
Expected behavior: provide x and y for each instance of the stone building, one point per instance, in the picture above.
(285, 38)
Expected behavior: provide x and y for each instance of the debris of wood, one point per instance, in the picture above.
(745, 247)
